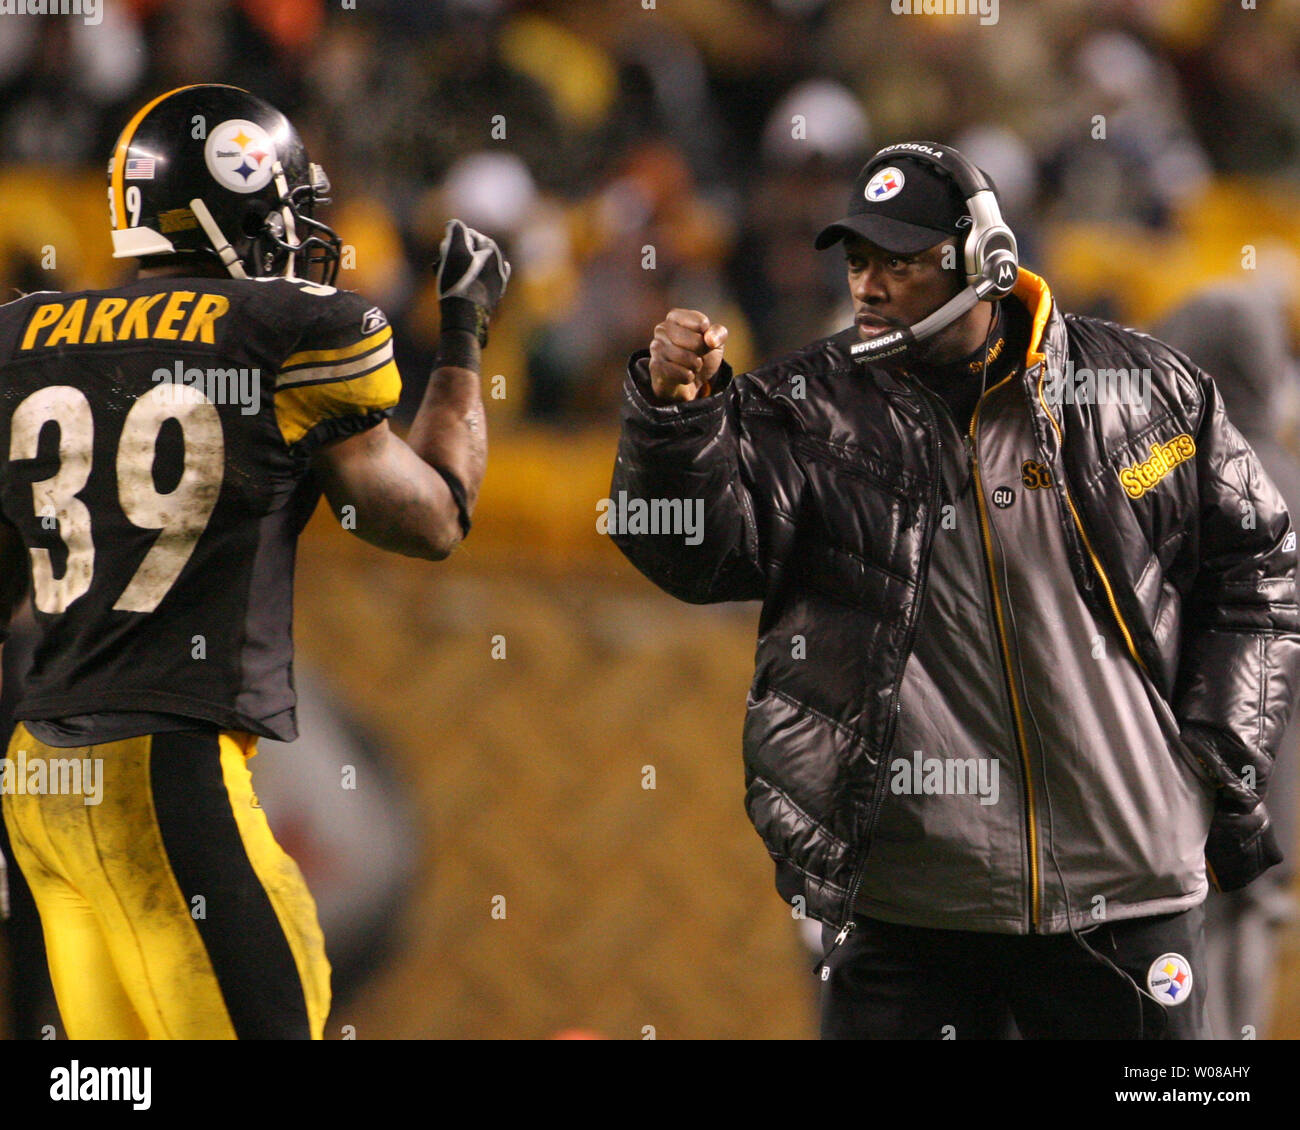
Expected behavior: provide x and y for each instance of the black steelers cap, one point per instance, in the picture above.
(903, 205)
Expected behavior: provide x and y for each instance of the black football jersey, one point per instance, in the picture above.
(156, 445)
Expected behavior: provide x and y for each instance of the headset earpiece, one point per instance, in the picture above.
(1000, 272)
(989, 250)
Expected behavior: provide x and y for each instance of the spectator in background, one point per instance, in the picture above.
(814, 139)
(1244, 91)
(1131, 157)
(577, 89)
(646, 236)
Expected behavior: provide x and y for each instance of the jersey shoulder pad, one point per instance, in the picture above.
(327, 316)
(340, 376)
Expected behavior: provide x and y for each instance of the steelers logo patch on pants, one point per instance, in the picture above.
(1169, 979)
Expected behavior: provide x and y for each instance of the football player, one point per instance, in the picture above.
(162, 445)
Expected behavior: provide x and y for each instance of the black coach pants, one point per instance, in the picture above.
(889, 982)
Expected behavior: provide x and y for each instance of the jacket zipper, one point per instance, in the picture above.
(1031, 823)
(1083, 534)
(887, 744)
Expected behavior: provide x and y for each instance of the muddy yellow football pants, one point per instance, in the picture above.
(169, 911)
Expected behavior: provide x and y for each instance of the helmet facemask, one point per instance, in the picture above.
(289, 240)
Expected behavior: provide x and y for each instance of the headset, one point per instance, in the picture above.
(992, 259)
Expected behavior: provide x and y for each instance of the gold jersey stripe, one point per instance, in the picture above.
(320, 373)
(300, 408)
(315, 356)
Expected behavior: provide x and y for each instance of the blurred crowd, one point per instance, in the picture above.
(633, 155)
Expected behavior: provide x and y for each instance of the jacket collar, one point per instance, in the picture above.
(1048, 339)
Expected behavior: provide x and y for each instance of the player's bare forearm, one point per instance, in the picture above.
(416, 496)
(450, 429)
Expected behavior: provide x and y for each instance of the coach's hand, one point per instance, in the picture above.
(685, 354)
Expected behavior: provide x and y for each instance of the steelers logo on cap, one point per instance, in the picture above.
(1170, 979)
(240, 155)
(886, 183)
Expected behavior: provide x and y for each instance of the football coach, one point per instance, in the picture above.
(1029, 632)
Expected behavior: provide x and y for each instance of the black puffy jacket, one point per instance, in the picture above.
(821, 495)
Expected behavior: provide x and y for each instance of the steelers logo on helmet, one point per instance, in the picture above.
(1170, 979)
(240, 155)
(886, 183)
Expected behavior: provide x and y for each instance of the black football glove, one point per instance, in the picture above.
(472, 277)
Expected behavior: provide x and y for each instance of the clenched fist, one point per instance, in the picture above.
(472, 277)
(685, 354)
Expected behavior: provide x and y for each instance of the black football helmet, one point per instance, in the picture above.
(213, 170)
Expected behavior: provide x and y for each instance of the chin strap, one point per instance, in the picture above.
(286, 214)
(220, 244)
